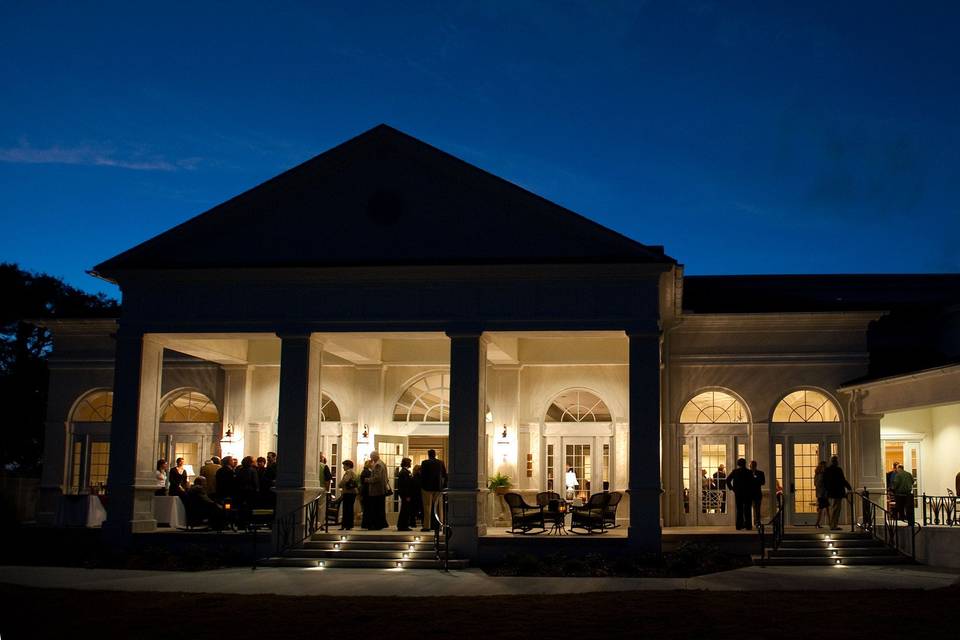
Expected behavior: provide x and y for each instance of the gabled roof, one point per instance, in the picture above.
(383, 198)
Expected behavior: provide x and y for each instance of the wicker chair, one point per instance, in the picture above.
(591, 516)
(610, 513)
(544, 498)
(524, 517)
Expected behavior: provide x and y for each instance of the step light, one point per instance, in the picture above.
(321, 564)
(343, 538)
(834, 552)
(336, 546)
(830, 545)
(417, 538)
(410, 547)
(838, 560)
(405, 556)
(399, 565)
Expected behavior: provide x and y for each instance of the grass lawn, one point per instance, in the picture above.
(52, 613)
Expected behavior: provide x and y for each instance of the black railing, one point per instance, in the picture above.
(298, 525)
(941, 511)
(777, 525)
(440, 525)
(884, 525)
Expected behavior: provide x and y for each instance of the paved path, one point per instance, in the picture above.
(472, 582)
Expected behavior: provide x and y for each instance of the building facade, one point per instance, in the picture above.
(385, 295)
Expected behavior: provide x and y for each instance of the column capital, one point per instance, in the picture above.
(641, 333)
(300, 335)
(464, 332)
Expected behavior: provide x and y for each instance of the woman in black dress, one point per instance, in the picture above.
(407, 517)
(365, 520)
(178, 479)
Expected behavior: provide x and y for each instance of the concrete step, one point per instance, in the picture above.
(827, 535)
(358, 563)
(837, 544)
(844, 552)
(345, 536)
(334, 545)
(378, 554)
(849, 560)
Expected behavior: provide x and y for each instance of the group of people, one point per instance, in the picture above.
(831, 488)
(900, 492)
(747, 486)
(417, 489)
(222, 484)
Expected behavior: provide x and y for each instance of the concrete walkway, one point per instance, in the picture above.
(472, 582)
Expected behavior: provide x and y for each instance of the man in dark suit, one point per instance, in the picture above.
(226, 480)
(759, 479)
(433, 478)
(741, 481)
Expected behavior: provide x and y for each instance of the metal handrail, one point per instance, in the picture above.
(889, 531)
(439, 524)
(941, 510)
(777, 523)
(298, 525)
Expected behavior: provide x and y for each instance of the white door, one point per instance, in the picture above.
(578, 456)
(713, 461)
(804, 453)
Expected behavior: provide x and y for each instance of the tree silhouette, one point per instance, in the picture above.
(23, 351)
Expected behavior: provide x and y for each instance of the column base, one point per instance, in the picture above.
(291, 501)
(645, 530)
(463, 510)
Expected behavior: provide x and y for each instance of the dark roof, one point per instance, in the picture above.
(383, 198)
(811, 293)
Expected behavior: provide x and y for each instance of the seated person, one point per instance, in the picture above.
(201, 507)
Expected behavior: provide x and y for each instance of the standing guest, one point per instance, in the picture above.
(433, 477)
(326, 478)
(270, 475)
(957, 483)
(364, 494)
(741, 481)
(407, 518)
(377, 492)
(247, 485)
(348, 493)
(178, 479)
(417, 496)
(161, 476)
(759, 480)
(209, 471)
(720, 485)
(837, 486)
(823, 502)
(261, 469)
(903, 495)
(891, 475)
(225, 481)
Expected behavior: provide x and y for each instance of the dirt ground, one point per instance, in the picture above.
(50, 613)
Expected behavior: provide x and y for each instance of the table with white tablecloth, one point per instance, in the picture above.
(81, 511)
(169, 510)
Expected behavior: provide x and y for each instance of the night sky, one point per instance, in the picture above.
(761, 137)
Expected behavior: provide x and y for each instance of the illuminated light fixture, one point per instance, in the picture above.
(342, 538)
(336, 546)
(838, 560)
(489, 416)
(322, 564)
(406, 556)
(830, 544)
(417, 538)
(410, 547)
(399, 565)
(366, 432)
(834, 552)
(504, 434)
(826, 537)
(228, 444)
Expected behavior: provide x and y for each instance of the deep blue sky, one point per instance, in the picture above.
(765, 137)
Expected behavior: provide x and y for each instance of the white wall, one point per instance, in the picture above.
(938, 429)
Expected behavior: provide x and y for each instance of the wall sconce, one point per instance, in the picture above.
(366, 432)
(504, 434)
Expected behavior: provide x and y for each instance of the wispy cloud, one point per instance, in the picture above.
(91, 156)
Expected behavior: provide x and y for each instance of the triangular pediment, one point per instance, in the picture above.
(383, 198)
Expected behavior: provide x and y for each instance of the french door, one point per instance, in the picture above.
(797, 458)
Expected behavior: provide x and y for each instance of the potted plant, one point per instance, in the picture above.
(499, 484)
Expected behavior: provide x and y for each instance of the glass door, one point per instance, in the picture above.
(713, 461)
(804, 454)
(578, 468)
(392, 450)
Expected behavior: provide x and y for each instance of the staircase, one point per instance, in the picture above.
(832, 548)
(346, 549)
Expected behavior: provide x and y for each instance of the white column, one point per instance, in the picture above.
(133, 434)
(644, 459)
(298, 442)
(467, 425)
(236, 400)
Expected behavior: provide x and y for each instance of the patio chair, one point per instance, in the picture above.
(591, 516)
(524, 517)
(610, 513)
(333, 509)
(546, 499)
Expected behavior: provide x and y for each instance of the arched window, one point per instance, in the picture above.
(577, 405)
(806, 405)
(426, 400)
(191, 406)
(713, 407)
(329, 411)
(96, 406)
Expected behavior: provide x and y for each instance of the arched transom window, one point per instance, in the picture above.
(96, 406)
(191, 406)
(577, 406)
(329, 411)
(713, 407)
(426, 400)
(806, 405)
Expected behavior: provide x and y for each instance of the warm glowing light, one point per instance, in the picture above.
(406, 555)
(410, 547)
